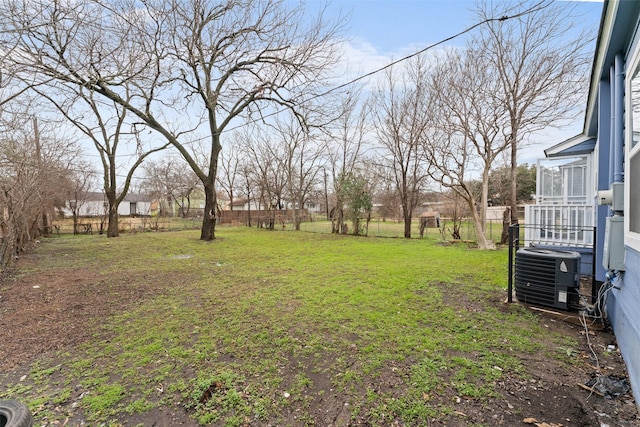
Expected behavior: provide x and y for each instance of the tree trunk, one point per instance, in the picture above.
(366, 232)
(75, 222)
(506, 222)
(483, 242)
(298, 222)
(46, 228)
(112, 228)
(406, 213)
(339, 215)
(513, 177)
(484, 198)
(248, 212)
(296, 218)
(208, 231)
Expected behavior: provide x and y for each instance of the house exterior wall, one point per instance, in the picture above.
(96, 207)
(142, 208)
(252, 205)
(612, 111)
(89, 208)
(123, 209)
(620, 56)
(622, 311)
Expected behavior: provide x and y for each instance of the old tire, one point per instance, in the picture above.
(14, 414)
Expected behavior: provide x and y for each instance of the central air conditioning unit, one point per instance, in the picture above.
(548, 277)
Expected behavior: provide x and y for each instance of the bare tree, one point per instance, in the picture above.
(210, 62)
(10, 87)
(31, 170)
(172, 183)
(400, 110)
(229, 168)
(300, 160)
(538, 61)
(471, 113)
(264, 154)
(346, 149)
(69, 54)
(453, 163)
(247, 184)
(385, 193)
(240, 171)
(105, 123)
(77, 186)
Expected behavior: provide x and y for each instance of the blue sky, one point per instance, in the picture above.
(382, 30)
(392, 26)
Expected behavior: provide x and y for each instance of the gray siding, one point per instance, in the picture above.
(623, 309)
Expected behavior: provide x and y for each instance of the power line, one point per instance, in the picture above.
(536, 7)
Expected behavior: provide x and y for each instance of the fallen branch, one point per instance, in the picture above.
(591, 389)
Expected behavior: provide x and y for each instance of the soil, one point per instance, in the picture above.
(43, 313)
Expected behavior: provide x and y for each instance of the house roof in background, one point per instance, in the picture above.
(135, 197)
(579, 144)
(240, 202)
(95, 196)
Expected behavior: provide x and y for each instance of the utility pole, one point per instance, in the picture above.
(326, 194)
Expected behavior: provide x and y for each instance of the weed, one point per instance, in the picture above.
(139, 406)
(103, 400)
(38, 373)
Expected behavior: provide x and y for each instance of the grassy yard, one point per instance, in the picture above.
(392, 228)
(264, 327)
(377, 227)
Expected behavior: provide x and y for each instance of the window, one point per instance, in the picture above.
(635, 108)
(551, 182)
(632, 163)
(633, 181)
(576, 176)
(564, 181)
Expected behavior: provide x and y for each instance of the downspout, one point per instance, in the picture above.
(605, 120)
(614, 229)
(612, 131)
(618, 141)
(613, 248)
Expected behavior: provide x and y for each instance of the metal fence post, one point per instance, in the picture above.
(510, 282)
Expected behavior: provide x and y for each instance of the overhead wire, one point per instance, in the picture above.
(535, 7)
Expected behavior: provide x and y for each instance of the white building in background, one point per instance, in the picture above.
(95, 204)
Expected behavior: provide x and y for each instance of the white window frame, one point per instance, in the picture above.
(631, 238)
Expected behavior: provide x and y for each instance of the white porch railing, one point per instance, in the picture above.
(563, 225)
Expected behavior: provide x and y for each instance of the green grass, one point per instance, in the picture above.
(395, 228)
(258, 324)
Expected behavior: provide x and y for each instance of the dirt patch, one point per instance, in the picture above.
(42, 313)
(45, 312)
